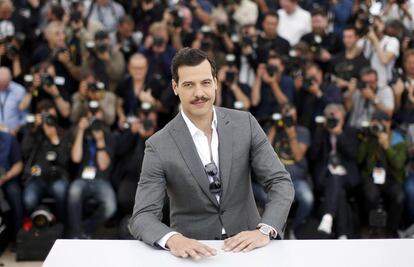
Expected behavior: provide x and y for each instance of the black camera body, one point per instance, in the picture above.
(230, 77)
(247, 41)
(49, 119)
(366, 22)
(331, 121)
(272, 69)
(177, 18)
(47, 79)
(307, 82)
(158, 41)
(377, 128)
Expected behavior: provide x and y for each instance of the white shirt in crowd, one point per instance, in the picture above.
(389, 44)
(293, 26)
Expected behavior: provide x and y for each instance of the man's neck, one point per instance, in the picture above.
(352, 52)
(202, 122)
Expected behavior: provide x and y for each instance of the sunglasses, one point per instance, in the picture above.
(212, 171)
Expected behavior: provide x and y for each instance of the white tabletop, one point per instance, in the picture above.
(294, 253)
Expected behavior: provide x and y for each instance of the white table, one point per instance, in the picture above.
(296, 253)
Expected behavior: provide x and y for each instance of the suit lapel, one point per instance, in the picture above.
(225, 136)
(184, 141)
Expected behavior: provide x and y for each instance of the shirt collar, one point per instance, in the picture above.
(193, 129)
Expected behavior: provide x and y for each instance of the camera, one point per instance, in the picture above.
(272, 69)
(307, 82)
(316, 45)
(75, 16)
(99, 46)
(378, 218)
(238, 105)
(93, 106)
(400, 2)
(344, 70)
(366, 21)
(158, 41)
(288, 120)
(177, 18)
(230, 76)
(331, 121)
(96, 86)
(49, 119)
(157, 83)
(146, 108)
(221, 28)
(246, 41)
(47, 79)
(377, 128)
(42, 217)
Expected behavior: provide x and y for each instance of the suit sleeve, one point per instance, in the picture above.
(145, 223)
(272, 175)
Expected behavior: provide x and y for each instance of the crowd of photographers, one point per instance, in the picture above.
(83, 84)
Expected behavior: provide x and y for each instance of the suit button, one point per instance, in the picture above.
(222, 212)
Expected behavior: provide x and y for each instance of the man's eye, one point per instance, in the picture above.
(207, 83)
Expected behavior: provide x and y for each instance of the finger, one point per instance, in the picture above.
(233, 243)
(193, 254)
(242, 245)
(203, 251)
(249, 247)
(181, 254)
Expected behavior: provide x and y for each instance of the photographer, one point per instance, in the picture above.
(270, 38)
(402, 10)
(11, 166)
(404, 92)
(145, 13)
(46, 150)
(409, 182)
(291, 143)
(43, 85)
(125, 38)
(382, 156)
(348, 64)
(134, 90)
(248, 54)
(130, 153)
(92, 150)
(364, 98)
(335, 171)
(91, 89)
(272, 89)
(105, 61)
(57, 53)
(229, 89)
(294, 21)
(10, 47)
(314, 95)
(381, 50)
(158, 51)
(179, 20)
(323, 44)
(107, 12)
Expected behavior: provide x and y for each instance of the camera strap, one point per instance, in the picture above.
(3, 104)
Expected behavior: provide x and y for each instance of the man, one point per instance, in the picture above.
(107, 12)
(203, 159)
(11, 94)
(270, 38)
(382, 156)
(334, 159)
(294, 21)
(381, 50)
(363, 99)
(349, 63)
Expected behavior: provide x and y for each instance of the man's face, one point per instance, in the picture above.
(288, 5)
(270, 25)
(126, 29)
(409, 65)
(315, 73)
(370, 80)
(102, 2)
(319, 24)
(6, 9)
(349, 38)
(196, 89)
(162, 33)
(138, 68)
(57, 38)
(4, 83)
(379, 26)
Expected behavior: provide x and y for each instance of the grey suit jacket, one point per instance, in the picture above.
(171, 164)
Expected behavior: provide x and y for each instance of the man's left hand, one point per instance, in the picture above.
(246, 241)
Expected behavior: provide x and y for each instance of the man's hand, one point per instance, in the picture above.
(183, 247)
(384, 140)
(246, 241)
(368, 94)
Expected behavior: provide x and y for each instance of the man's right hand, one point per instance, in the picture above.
(183, 247)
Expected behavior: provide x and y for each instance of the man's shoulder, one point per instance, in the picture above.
(164, 133)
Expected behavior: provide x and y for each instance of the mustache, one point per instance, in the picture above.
(198, 99)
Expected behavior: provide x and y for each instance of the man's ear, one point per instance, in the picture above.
(174, 87)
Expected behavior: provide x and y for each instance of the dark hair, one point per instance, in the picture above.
(367, 71)
(271, 14)
(44, 105)
(58, 11)
(190, 57)
(351, 27)
(319, 11)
